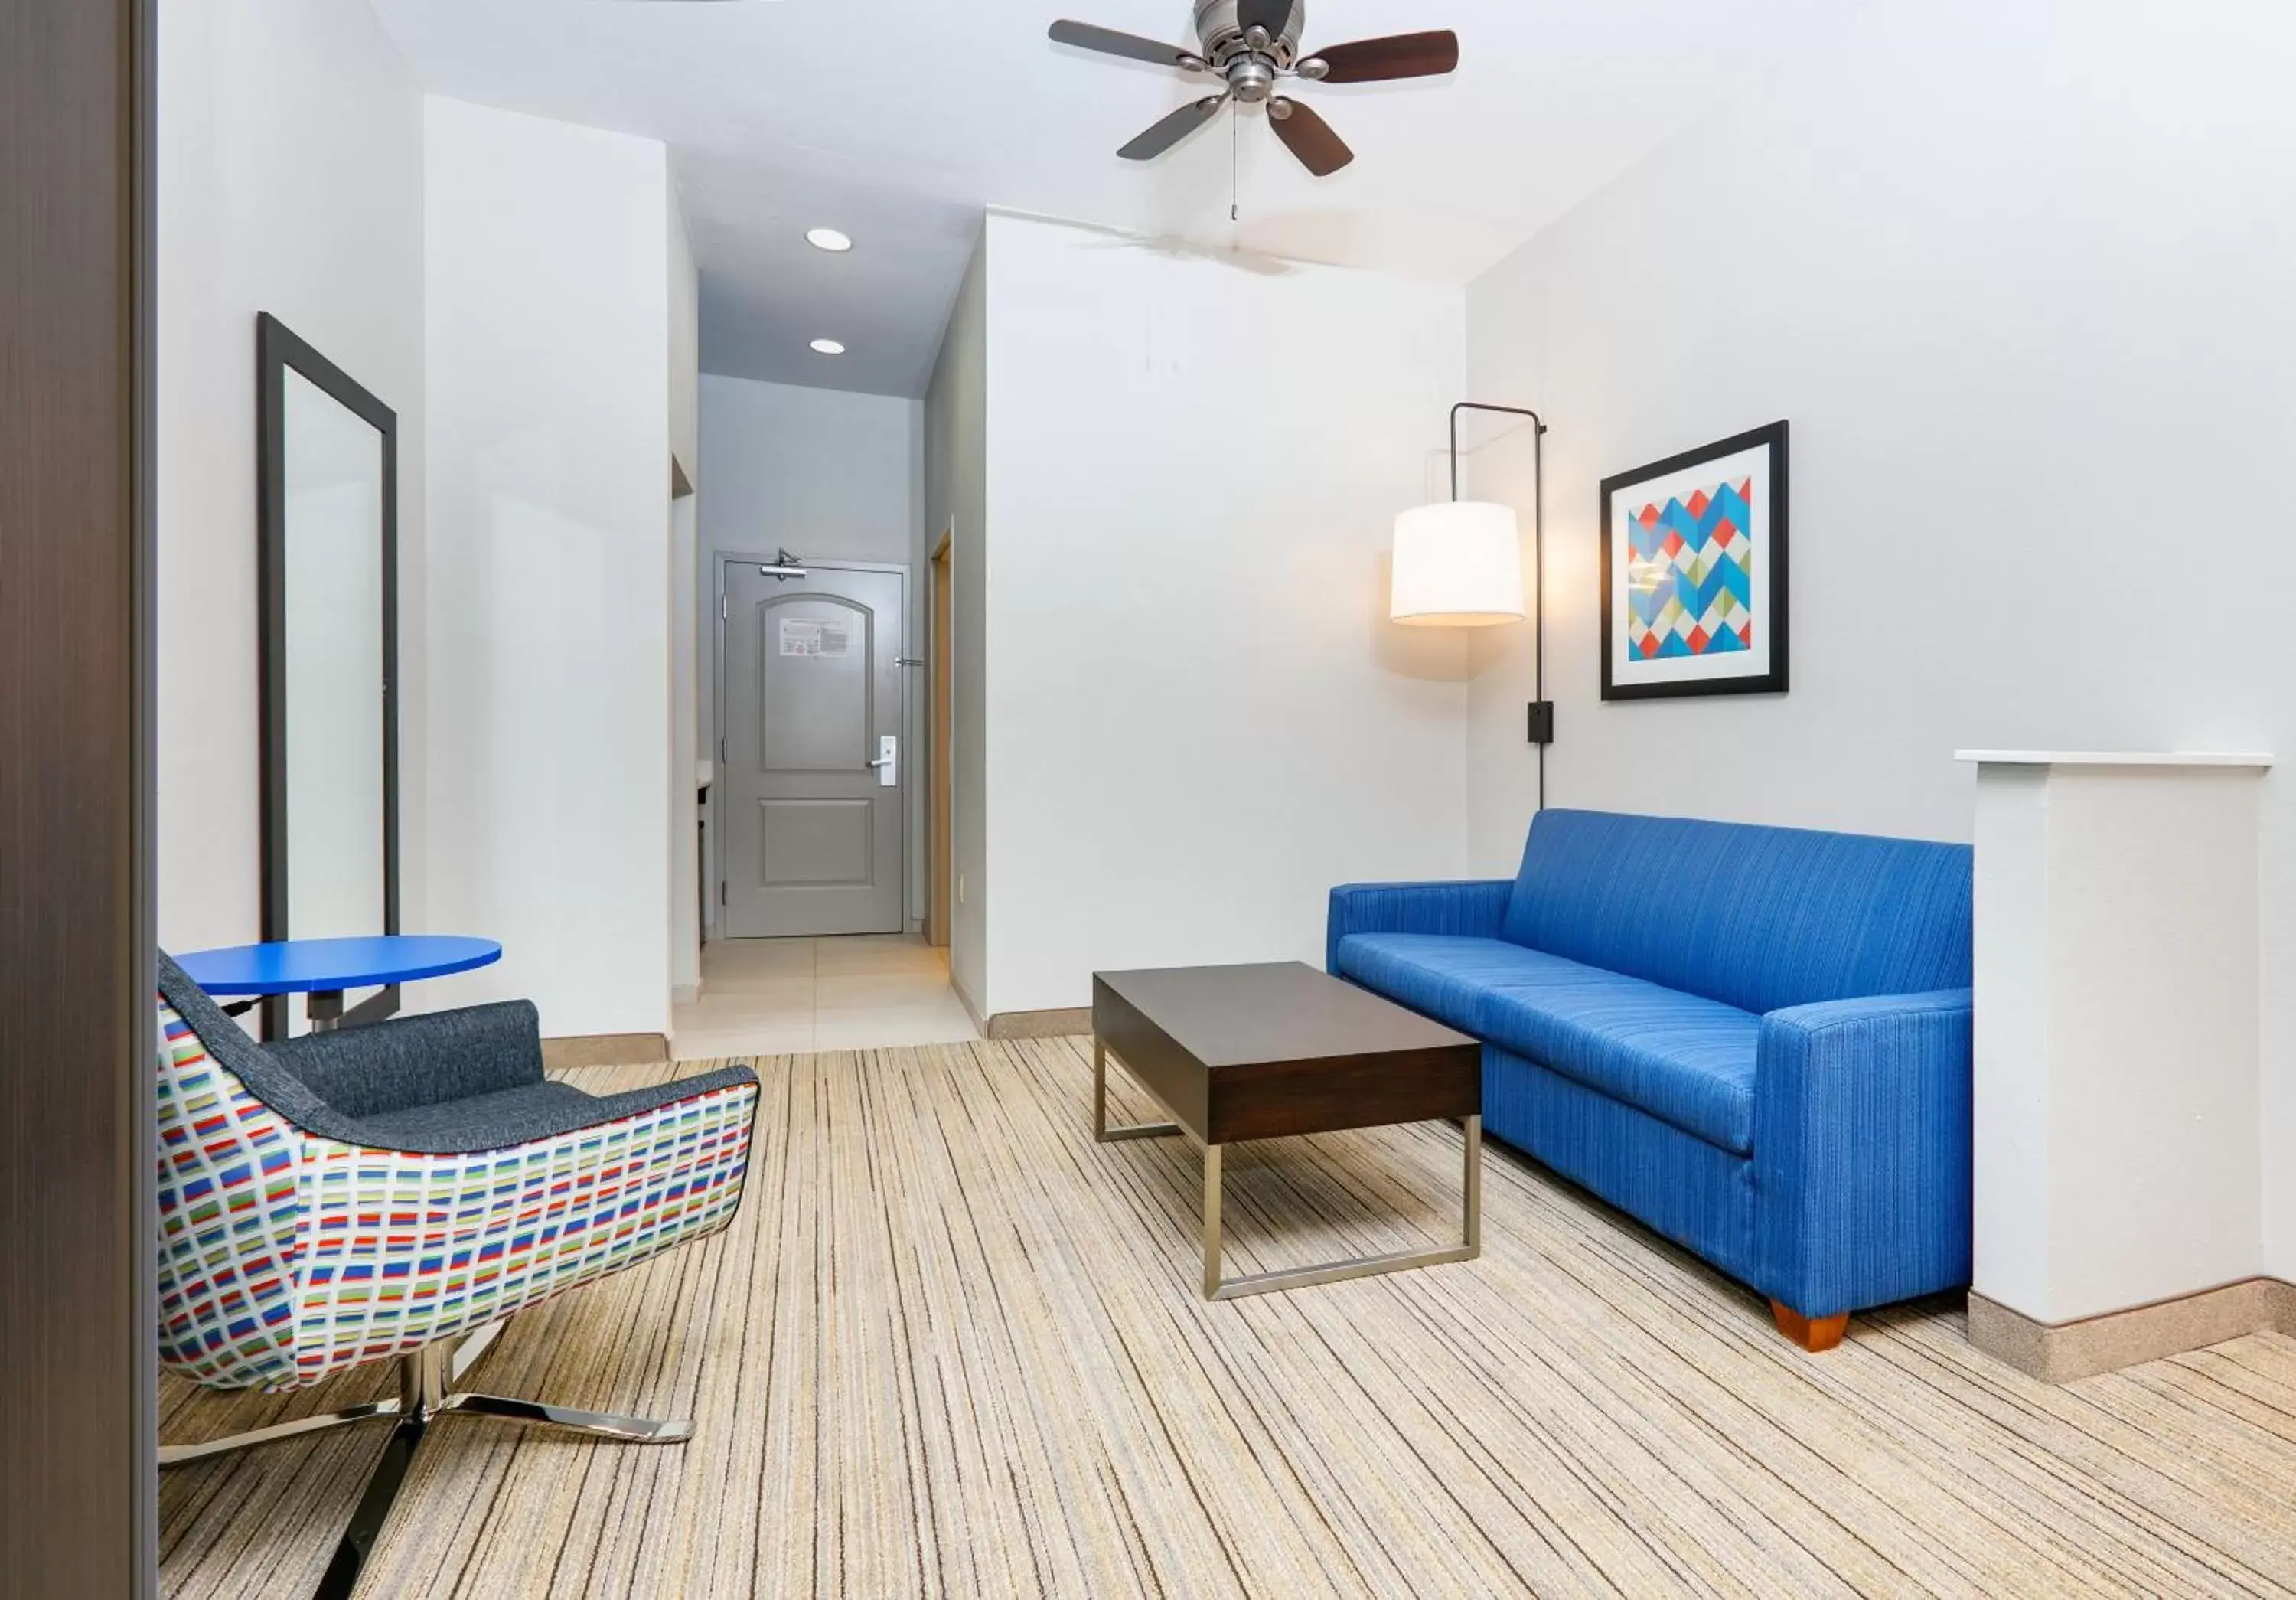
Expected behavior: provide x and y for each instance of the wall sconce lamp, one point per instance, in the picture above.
(1460, 565)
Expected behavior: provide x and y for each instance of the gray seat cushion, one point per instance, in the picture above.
(482, 1122)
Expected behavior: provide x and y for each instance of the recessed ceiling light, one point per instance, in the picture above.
(828, 239)
(829, 347)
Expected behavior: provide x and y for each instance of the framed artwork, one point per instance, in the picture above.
(1695, 572)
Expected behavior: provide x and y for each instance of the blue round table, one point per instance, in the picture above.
(323, 968)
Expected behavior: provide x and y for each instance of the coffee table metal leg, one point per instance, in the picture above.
(1471, 1182)
(1100, 1130)
(1212, 1222)
(1471, 1235)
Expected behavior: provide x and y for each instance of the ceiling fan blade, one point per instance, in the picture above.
(1308, 136)
(1273, 15)
(1406, 55)
(1084, 35)
(1172, 129)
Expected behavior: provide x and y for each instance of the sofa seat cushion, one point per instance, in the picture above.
(1682, 1058)
(1446, 976)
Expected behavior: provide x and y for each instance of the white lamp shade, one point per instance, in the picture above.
(1459, 566)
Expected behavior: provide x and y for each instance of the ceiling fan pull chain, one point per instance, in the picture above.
(1235, 167)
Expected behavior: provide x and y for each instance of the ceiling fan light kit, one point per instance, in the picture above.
(1253, 46)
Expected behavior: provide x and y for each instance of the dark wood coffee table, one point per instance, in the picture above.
(1236, 1052)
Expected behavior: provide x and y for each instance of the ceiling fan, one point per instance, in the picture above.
(1253, 45)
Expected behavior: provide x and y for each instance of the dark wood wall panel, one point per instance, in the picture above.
(76, 1321)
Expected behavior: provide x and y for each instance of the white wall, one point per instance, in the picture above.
(2019, 278)
(956, 502)
(1199, 719)
(290, 181)
(684, 340)
(687, 743)
(830, 476)
(550, 583)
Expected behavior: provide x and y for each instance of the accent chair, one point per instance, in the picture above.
(391, 1194)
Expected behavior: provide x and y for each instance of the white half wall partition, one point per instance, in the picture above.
(2118, 1161)
(549, 592)
(1199, 717)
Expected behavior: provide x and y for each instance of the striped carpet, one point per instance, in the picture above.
(953, 1347)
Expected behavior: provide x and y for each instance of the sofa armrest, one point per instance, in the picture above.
(420, 1060)
(1861, 1151)
(1471, 909)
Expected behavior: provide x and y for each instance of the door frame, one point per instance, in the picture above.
(78, 1350)
(941, 839)
(723, 559)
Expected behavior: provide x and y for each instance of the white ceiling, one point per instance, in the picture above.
(899, 120)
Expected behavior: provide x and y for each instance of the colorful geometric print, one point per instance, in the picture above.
(1690, 575)
(406, 1249)
(230, 1222)
(285, 1257)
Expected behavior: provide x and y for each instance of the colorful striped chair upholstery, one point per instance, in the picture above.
(380, 1193)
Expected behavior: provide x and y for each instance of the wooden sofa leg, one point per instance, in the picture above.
(1816, 1334)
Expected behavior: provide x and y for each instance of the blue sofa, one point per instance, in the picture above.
(1755, 1039)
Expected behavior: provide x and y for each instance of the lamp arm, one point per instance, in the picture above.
(1478, 406)
(1538, 541)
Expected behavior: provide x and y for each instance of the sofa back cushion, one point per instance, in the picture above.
(1759, 918)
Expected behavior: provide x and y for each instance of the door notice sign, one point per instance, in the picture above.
(810, 637)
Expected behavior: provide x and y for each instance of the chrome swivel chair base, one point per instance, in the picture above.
(425, 1394)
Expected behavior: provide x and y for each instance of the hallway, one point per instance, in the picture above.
(771, 997)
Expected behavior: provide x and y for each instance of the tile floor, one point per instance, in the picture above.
(769, 997)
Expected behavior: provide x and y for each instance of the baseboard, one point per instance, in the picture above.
(1023, 1024)
(685, 994)
(970, 1008)
(2061, 1352)
(1039, 1024)
(604, 1050)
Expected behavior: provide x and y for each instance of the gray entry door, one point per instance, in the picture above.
(810, 810)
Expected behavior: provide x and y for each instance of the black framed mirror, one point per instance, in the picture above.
(328, 564)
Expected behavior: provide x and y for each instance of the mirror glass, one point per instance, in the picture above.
(333, 572)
